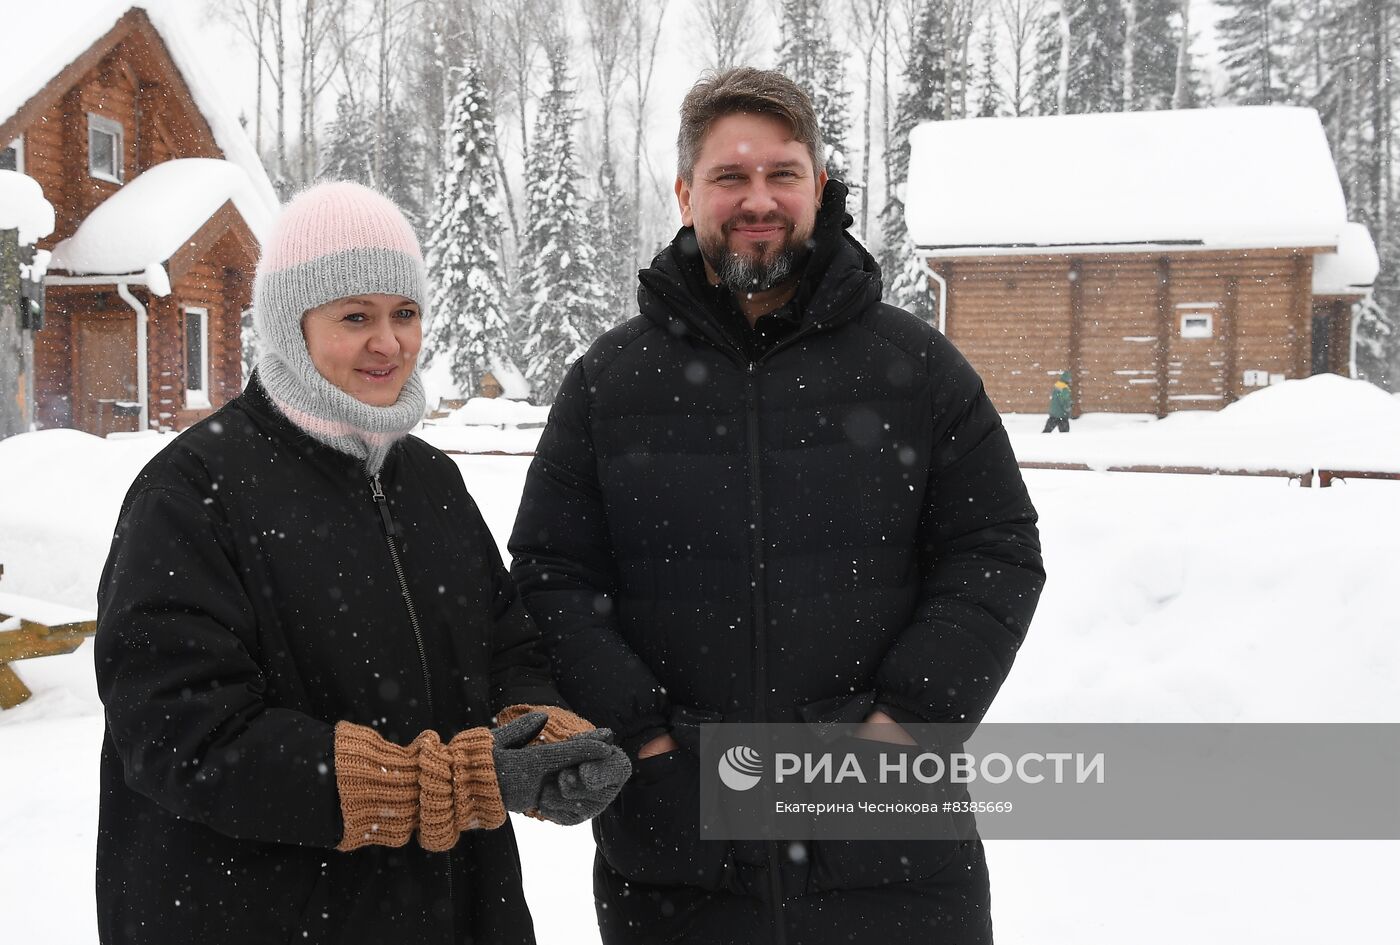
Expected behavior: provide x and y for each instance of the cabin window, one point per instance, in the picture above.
(105, 148)
(196, 357)
(12, 156)
(1197, 325)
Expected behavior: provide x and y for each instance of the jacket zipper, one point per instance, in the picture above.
(757, 589)
(759, 596)
(381, 502)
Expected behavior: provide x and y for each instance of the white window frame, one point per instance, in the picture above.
(196, 397)
(1207, 331)
(18, 145)
(101, 124)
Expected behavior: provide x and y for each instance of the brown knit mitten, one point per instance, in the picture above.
(378, 784)
(388, 791)
(562, 724)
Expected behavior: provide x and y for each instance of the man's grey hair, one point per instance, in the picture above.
(740, 90)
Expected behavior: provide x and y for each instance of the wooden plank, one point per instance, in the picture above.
(13, 691)
(1161, 351)
(1327, 476)
(1303, 475)
(1076, 323)
(30, 642)
(47, 613)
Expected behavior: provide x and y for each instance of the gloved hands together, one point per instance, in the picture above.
(567, 781)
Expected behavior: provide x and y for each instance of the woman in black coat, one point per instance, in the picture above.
(305, 634)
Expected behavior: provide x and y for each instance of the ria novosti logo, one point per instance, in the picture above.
(740, 768)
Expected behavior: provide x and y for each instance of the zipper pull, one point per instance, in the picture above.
(382, 503)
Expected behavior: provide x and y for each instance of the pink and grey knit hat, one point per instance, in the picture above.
(332, 241)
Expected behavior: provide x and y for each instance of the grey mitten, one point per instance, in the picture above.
(566, 782)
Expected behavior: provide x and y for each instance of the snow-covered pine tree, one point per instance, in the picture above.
(346, 152)
(1348, 60)
(808, 56)
(469, 324)
(611, 216)
(1097, 54)
(1157, 39)
(401, 164)
(562, 295)
(921, 101)
(1094, 82)
(1253, 37)
(990, 99)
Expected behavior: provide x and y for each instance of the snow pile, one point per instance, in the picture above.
(497, 411)
(151, 218)
(43, 38)
(1321, 422)
(1352, 269)
(1212, 178)
(1170, 598)
(63, 490)
(23, 207)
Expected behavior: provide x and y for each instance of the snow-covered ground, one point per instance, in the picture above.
(1171, 598)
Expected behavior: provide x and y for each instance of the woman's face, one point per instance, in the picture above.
(367, 345)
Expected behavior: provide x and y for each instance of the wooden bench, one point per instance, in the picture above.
(45, 629)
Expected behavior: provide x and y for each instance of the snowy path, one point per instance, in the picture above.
(1170, 599)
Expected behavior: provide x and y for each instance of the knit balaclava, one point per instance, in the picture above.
(332, 241)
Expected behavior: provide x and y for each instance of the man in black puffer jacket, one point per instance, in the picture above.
(771, 497)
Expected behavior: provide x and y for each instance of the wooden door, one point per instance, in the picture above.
(104, 374)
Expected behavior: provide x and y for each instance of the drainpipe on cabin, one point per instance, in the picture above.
(141, 366)
(942, 301)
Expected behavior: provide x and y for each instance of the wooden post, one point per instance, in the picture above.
(1076, 322)
(1162, 354)
(1230, 337)
(13, 691)
(15, 373)
(1302, 315)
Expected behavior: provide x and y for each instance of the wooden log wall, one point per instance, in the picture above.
(1115, 320)
(1013, 324)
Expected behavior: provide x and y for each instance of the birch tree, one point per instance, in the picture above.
(1021, 19)
(727, 32)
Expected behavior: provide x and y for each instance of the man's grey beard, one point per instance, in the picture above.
(740, 273)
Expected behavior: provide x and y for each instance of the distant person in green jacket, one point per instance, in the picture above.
(1060, 404)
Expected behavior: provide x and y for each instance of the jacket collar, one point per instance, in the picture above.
(839, 279)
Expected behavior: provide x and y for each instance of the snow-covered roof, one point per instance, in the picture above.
(1352, 269)
(1218, 178)
(512, 381)
(43, 37)
(148, 220)
(23, 207)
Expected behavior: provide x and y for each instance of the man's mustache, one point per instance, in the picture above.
(772, 219)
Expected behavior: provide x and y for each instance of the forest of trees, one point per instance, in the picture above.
(521, 135)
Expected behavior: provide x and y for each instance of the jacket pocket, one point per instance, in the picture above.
(858, 864)
(651, 833)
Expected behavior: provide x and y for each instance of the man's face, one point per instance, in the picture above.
(752, 199)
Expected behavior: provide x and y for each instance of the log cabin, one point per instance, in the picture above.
(160, 202)
(1170, 260)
